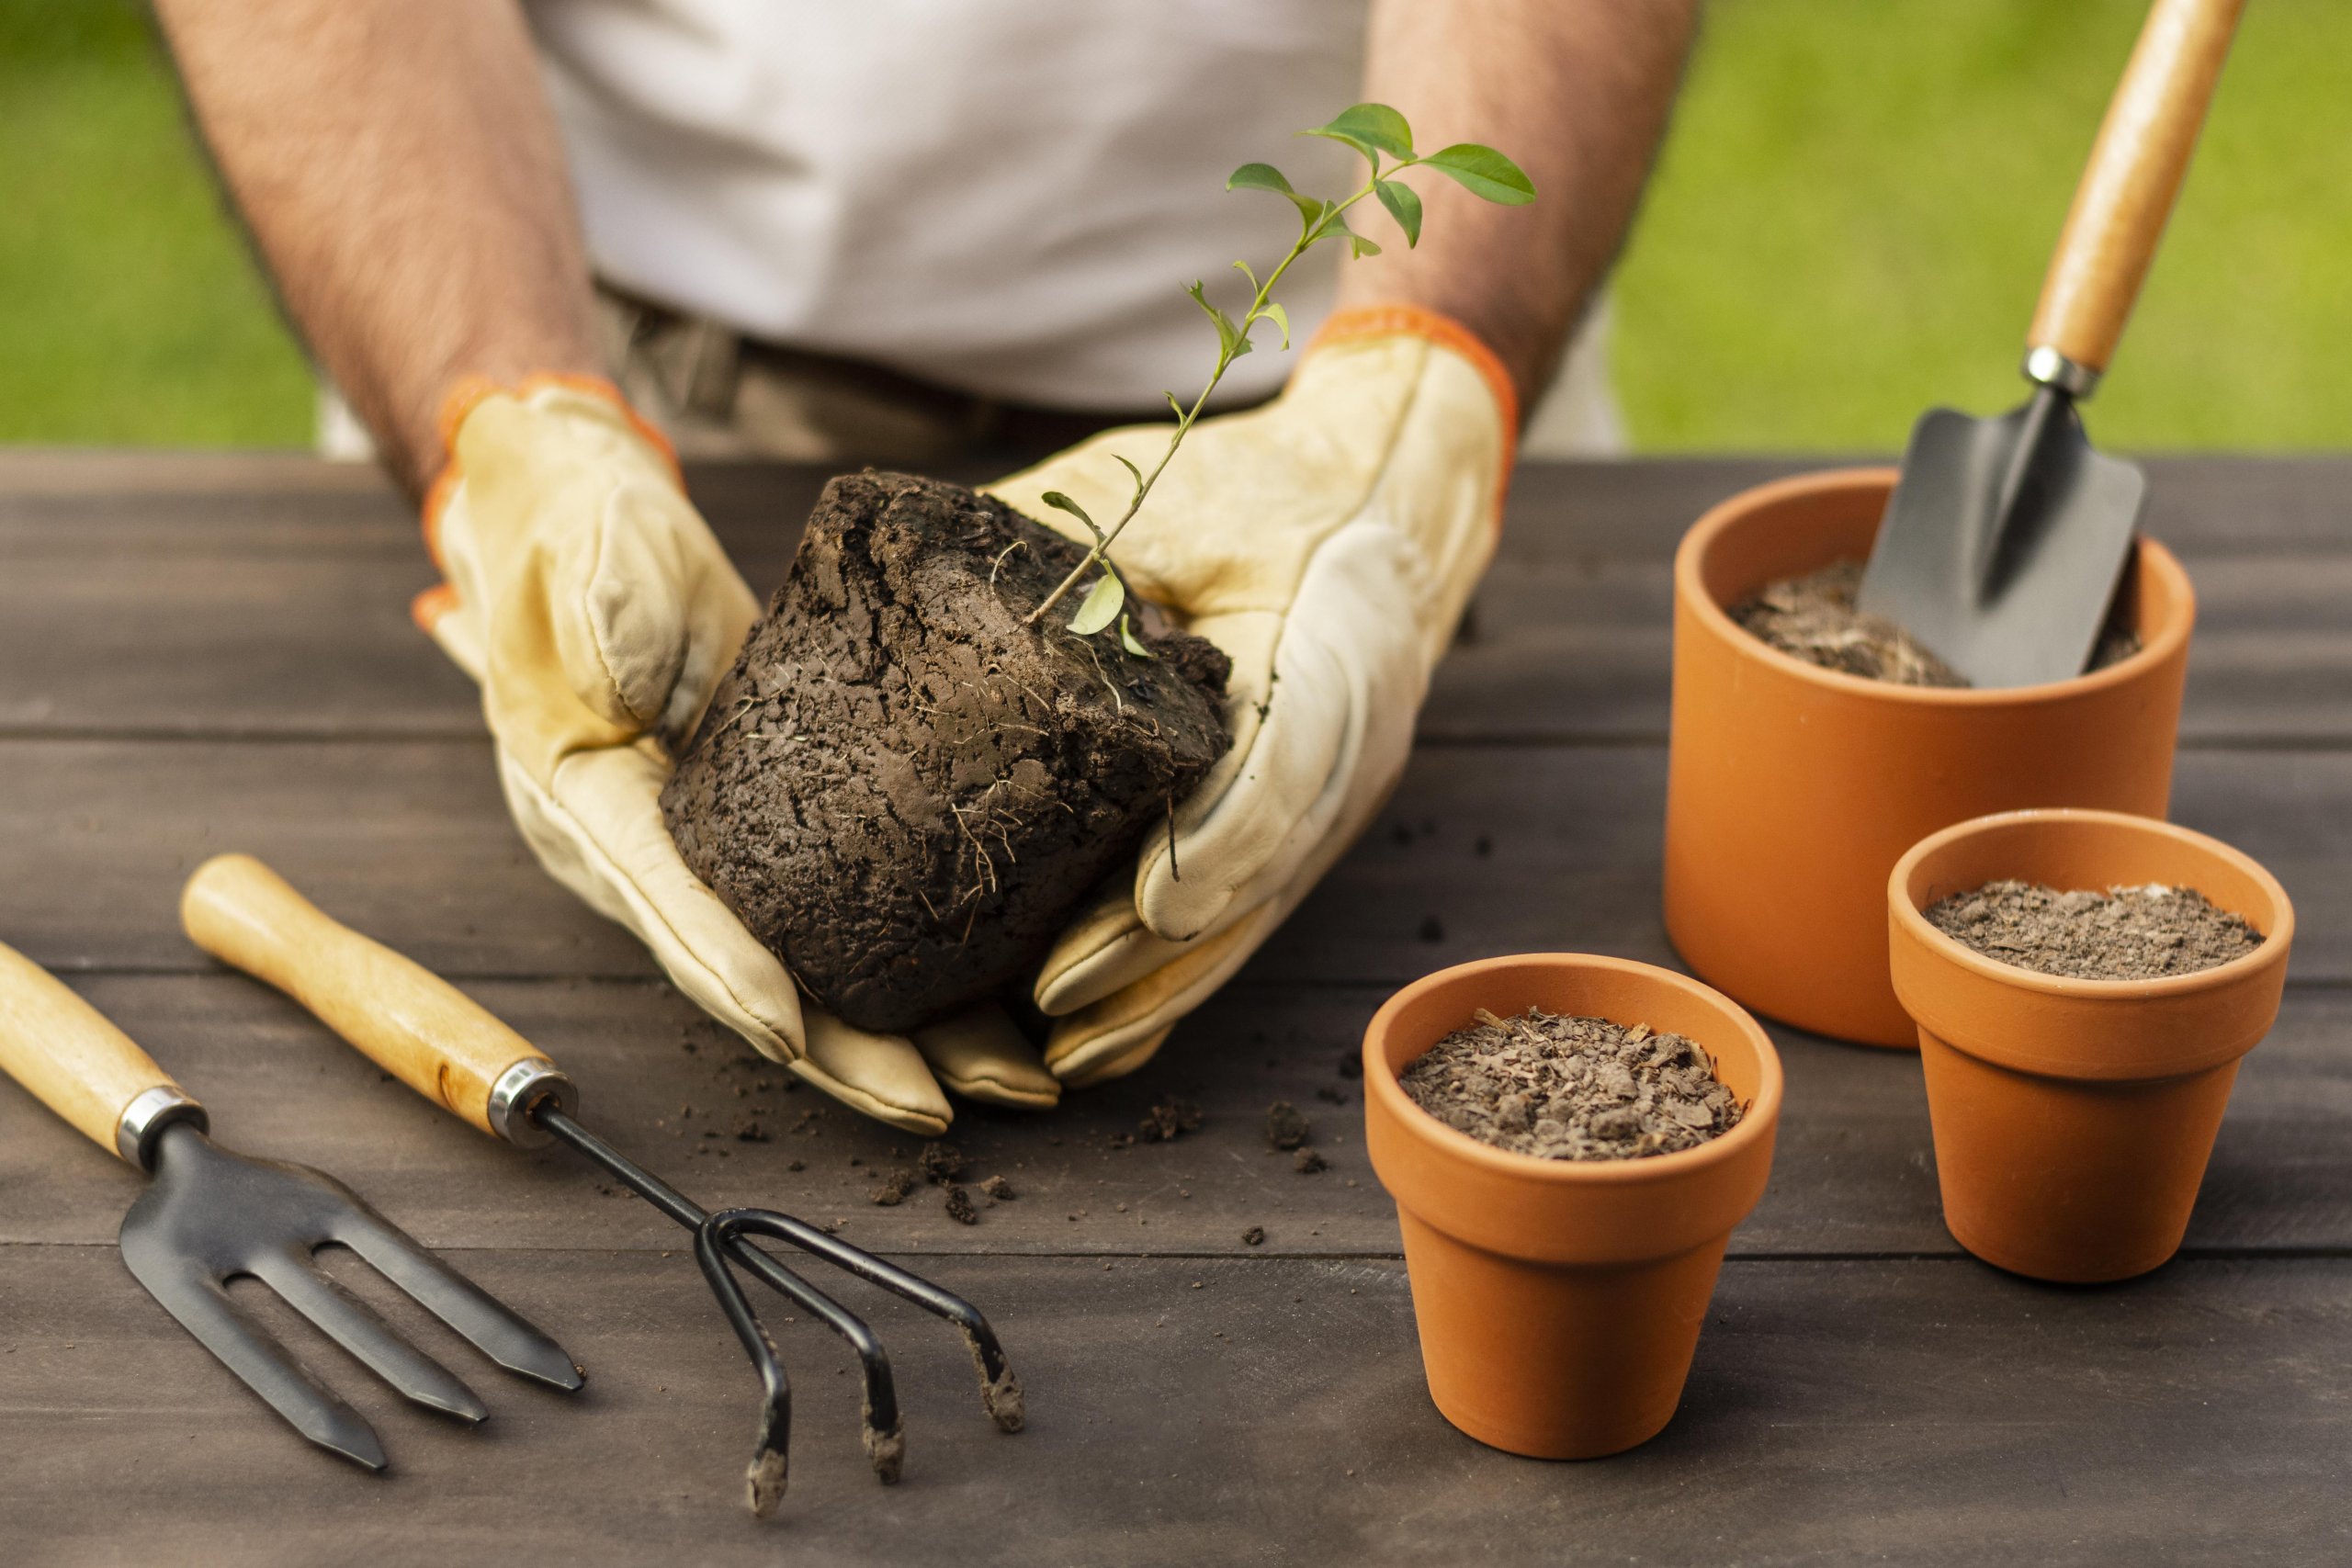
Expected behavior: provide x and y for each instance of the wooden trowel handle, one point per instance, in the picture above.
(2135, 171)
(82, 1066)
(417, 1026)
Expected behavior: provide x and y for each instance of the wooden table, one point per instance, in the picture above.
(209, 653)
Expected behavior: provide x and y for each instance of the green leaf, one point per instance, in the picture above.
(1132, 469)
(1230, 340)
(1265, 176)
(1365, 127)
(1362, 246)
(1483, 171)
(1061, 503)
(1281, 318)
(1101, 605)
(1174, 404)
(1334, 222)
(1403, 206)
(1243, 268)
(1127, 640)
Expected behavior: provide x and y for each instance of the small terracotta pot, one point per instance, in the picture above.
(1791, 789)
(1560, 1301)
(2073, 1118)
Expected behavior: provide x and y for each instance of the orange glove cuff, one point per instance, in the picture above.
(1416, 321)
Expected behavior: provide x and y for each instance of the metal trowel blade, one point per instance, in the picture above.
(2004, 542)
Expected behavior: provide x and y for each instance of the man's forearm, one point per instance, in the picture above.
(1576, 92)
(400, 169)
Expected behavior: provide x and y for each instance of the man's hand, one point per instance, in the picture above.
(597, 612)
(1329, 543)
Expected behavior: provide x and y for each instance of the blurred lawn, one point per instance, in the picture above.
(1849, 224)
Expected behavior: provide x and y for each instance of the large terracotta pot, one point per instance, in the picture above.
(1560, 1301)
(1792, 790)
(2073, 1118)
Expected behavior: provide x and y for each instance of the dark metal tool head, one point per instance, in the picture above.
(723, 1243)
(2004, 541)
(211, 1216)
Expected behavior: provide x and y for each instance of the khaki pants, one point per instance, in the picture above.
(718, 395)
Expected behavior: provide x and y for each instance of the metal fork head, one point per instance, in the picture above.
(210, 1216)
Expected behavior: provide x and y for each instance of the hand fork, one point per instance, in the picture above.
(210, 1216)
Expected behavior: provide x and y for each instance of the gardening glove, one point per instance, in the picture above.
(1328, 542)
(593, 605)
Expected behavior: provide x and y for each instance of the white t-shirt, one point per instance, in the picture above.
(1003, 196)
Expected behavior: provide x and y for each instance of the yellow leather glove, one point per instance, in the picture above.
(1328, 542)
(593, 605)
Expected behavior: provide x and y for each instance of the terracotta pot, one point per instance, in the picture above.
(1560, 1301)
(1791, 789)
(2073, 1118)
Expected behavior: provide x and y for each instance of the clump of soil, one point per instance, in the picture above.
(1167, 1121)
(959, 1207)
(2124, 933)
(903, 789)
(1286, 1127)
(1309, 1161)
(895, 1187)
(997, 1189)
(941, 1160)
(1813, 618)
(1563, 1087)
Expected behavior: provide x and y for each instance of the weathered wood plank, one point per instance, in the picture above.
(1854, 1174)
(1914, 1413)
(410, 840)
(283, 612)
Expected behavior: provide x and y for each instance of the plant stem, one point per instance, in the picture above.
(1098, 555)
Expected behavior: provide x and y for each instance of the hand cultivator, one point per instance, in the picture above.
(453, 1052)
(210, 1216)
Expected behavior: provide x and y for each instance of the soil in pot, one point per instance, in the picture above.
(2124, 933)
(903, 788)
(1813, 618)
(1558, 1087)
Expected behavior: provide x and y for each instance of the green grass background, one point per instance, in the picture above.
(1850, 222)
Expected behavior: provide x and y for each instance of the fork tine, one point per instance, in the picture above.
(495, 1329)
(205, 1309)
(353, 1325)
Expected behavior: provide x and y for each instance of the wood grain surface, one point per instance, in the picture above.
(211, 654)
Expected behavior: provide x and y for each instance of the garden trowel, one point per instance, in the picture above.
(2006, 538)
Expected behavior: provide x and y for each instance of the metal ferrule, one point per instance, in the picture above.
(2045, 367)
(144, 1120)
(521, 1087)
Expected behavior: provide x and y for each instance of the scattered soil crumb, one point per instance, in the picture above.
(1563, 1087)
(997, 1189)
(1330, 1096)
(1285, 1127)
(1814, 618)
(1168, 1121)
(1350, 1064)
(941, 1160)
(796, 1164)
(959, 1207)
(1254, 1237)
(1432, 929)
(2124, 933)
(1307, 1162)
(895, 1185)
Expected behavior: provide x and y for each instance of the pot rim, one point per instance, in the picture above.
(1729, 512)
(2274, 942)
(1757, 1121)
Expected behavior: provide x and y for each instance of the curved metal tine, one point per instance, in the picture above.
(719, 1239)
(494, 1327)
(1000, 1390)
(353, 1325)
(764, 1477)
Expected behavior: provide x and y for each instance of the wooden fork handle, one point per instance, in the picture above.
(2127, 192)
(82, 1066)
(415, 1025)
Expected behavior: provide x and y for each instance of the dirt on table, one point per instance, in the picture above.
(2124, 933)
(1813, 618)
(902, 788)
(1286, 1126)
(1565, 1088)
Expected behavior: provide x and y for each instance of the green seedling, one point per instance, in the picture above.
(1376, 132)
